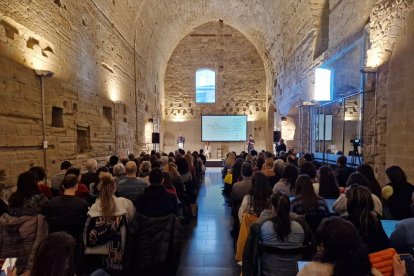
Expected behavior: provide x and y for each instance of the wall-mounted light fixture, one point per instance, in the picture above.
(43, 74)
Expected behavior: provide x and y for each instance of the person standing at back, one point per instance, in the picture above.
(281, 147)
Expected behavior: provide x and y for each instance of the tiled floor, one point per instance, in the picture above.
(209, 250)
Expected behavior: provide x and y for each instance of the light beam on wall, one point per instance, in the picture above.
(323, 84)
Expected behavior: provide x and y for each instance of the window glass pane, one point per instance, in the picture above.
(205, 86)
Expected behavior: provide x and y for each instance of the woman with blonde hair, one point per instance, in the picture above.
(269, 172)
(105, 229)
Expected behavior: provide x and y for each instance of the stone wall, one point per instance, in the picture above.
(240, 85)
(90, 48)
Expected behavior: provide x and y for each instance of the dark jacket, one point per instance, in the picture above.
(253, 248)
(153, 245)
(19, 237)
(400, 201)
(156, 202)
(342, 175)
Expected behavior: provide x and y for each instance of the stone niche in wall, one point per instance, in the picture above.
(240, 85)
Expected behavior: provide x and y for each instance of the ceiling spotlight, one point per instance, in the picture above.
(44, 73)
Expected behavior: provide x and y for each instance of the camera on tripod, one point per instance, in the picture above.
(356, 143)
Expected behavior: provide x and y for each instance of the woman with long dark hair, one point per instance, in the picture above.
(340, 204)
(328, 186)
(398, 193)
(341, 251)
(259, 197)
(360, 207)
(288, 181)
(307, 202)
(27, 199)
(283, 233)
(368, 172)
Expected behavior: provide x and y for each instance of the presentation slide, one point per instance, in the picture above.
(224, 128)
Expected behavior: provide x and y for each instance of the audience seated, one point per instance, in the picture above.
(130, 187)
(144, 171)
(54, 256)
(402, 238)
(236, 171)
(398, 193)
(269, 170)
(24, 227)
(82, 191)
(341, 251)
(113, 160)
(360, 208)
(105, 229)
(41, 177)
(120, 172)
(89, 177)
(288, 181)
(67, 212)
(342, 171)
(306, 201)
(168, 184)
(93, 187)
(252, 206)
(259, 164)
(156, 201)
(328, 186)
(310, 170)
(242, 187)
(57, 179)
(368, 172)
(280, 241)
(340, 204)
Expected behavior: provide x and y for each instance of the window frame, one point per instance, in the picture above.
(215, 84)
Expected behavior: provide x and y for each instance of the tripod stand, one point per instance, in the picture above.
(356, 156)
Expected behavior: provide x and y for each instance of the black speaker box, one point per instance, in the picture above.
(277, 135)
(155, 138)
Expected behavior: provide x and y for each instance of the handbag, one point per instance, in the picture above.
(228, 179)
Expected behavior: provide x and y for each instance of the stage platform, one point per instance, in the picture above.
(214, 163)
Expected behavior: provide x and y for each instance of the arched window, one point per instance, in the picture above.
(205, 86)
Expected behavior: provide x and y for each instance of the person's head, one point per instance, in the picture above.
(231, 157)
(396, 176)
(65, 165)
(167, 180)
(182, 165)
(39, 171)
(281, 222)
(131, 169)
(291, 174)
(119, 169)
(260, 193)
(247, 169)
(253, 153)
(281, 141)
(279, 167)
(164, 160)
(357, 178)
(107, 189)
(301, 161)
(189, 159)
(269, 163)
(305, 191)
(70, 181)
(259, 163)
(124, 160)
(250, 136)
(74, 171)
(328, 186)
(341, 161)
(156, 176)
(145, 167)
(359, 201)
(291, 159)
(113, 160)
(308, 157)
(309, 169)
(342, 246)
(171, 168)
(54, 256)
(131, 156)
(369, 174)
(26, 188)
(91, 165)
